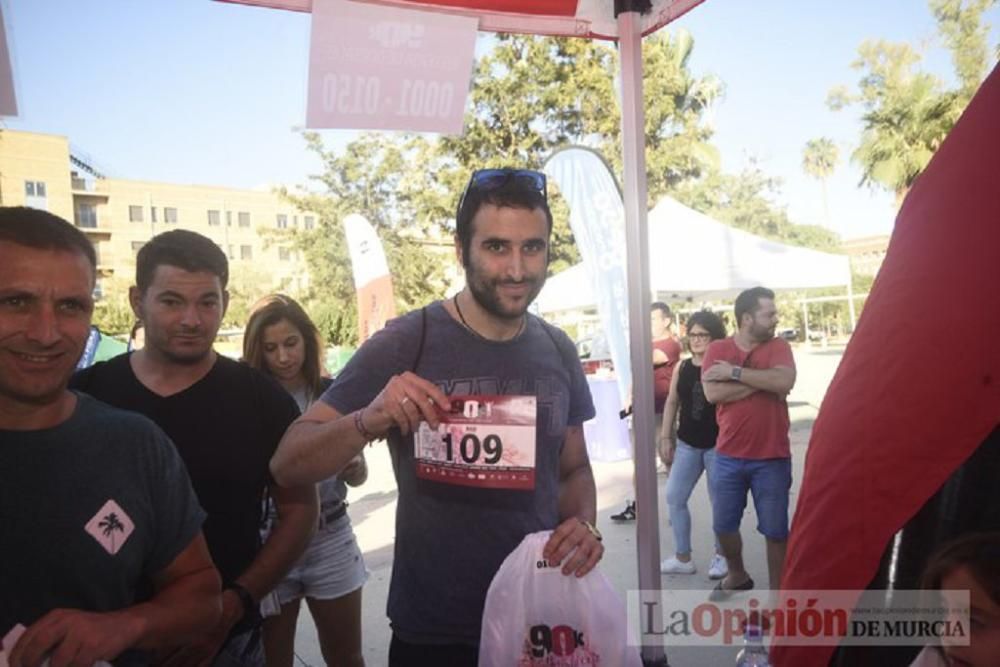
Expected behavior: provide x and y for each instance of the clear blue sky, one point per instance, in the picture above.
(196, 91)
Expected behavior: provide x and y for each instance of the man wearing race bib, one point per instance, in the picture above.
(482, 405)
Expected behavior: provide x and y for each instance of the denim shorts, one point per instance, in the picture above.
(769, 480)
(331, 567)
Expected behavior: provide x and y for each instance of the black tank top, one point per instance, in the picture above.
(698, 427)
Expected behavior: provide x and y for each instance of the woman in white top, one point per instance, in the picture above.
(282, 341)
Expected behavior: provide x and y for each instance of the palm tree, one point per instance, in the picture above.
(110, 524)
(903, 133)
(819, 159)
(907, 114)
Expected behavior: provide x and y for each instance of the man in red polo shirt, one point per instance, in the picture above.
(748, 377)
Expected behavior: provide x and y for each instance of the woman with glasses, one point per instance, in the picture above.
(282, 341)
(688, 443)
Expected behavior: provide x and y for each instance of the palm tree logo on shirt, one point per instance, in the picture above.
(110, 524)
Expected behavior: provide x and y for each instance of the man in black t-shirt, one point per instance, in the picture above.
(226, 420)
(96, 504)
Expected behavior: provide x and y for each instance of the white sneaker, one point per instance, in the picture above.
(673, 566)
(718, 568)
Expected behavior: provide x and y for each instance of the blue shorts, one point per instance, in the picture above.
(769, 480)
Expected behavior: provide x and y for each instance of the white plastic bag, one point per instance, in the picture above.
(536, 615)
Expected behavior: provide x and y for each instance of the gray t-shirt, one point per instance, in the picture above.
(451, 540)
(92, 509)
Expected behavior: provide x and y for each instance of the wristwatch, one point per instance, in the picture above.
(593, 530)
(245, 598)
(736, 373)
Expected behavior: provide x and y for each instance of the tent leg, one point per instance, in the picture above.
(805, 321)
(850, 303)
(641, 343)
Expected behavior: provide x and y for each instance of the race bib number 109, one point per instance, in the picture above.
(482, 441)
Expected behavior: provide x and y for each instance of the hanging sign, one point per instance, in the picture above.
(376, 68)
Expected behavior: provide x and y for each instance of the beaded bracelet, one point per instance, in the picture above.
(360, 425)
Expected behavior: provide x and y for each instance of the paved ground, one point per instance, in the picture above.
(373, 509)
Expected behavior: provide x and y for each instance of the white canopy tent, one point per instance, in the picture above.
(694, 257)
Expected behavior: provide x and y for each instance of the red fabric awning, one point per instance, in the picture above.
(918, 389)
(575, 18)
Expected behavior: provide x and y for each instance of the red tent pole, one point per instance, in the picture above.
(636, 245)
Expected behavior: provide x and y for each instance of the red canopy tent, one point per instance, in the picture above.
(885, 438)
(625, 21)
(571, 18)
(902, 413)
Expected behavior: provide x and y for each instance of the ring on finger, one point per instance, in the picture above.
(404, 400)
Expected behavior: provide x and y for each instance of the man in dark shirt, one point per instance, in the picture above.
(226, 420)
(96, 503)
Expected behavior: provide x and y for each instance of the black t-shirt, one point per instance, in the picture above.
(697, 426)
(226, 427)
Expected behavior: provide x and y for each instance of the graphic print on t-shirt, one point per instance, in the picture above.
(111, 527)
(482, 441)
(553, 405)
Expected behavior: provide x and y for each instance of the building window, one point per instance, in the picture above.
(152, 213)
(137, 246)
(229, 251)
(35, 195)
(169, 215)
(295, 221)
(246, 252)
(86, 215)
(243, 219)
(229, 218)
(282, 221)
(309, 222)
(135, 214)
(34, 189)
(283, 254)
(213, 219)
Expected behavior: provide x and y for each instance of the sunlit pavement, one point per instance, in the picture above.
(373, 508)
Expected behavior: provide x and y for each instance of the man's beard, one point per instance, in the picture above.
(187, 358)
(762, 334)
(486, 294)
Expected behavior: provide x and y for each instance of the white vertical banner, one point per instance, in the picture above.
(372, 281)
(597, 218)
(8, 100)
(382, 68)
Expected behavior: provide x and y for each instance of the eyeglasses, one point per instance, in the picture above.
(493, 179)
(699, 336)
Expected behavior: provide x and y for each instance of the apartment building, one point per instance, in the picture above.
(119, 216)
(866, 254)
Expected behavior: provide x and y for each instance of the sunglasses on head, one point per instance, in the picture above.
(486, 180)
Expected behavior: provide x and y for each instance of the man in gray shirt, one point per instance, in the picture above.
(96, 502)
(483, 407)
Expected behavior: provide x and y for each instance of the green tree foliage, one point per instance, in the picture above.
(819, 159)
(402, 187)
(965, 34)
(248, 282)
(112, 312)
(746, 201)
(530, 96)
(907, 113)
